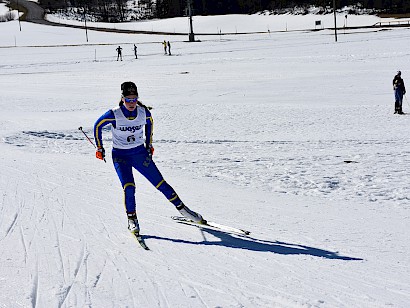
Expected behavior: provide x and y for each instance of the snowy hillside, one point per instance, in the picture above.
(237, 23)
(289, 135)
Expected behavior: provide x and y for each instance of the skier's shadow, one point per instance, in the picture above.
(253, 244)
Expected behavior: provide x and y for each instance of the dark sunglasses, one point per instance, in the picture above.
(130, 100)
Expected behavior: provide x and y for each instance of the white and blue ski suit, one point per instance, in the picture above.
(132, 139)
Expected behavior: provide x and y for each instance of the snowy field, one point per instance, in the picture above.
(238, 23)
(289, 135)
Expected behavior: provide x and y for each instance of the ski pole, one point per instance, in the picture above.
(81, 128)
(406, 100)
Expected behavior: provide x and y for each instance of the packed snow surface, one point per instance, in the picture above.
(290, 135)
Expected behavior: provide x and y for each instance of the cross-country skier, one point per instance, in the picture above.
(132, 128)
(399, 91)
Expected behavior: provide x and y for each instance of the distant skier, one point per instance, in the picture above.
(169, 48)
(399, 91)
(135, 52)
(129, 121)
(164, 43)
(119, 53)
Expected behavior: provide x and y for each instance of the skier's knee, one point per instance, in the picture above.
(129, 188)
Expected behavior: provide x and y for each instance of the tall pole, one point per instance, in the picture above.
(85, 25)
(334, 14)
(18, 14)
(191, 29)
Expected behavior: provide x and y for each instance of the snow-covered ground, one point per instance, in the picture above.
(252, 131)
(238, 23)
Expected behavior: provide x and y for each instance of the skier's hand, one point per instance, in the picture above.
(100, 153)
(150, 150)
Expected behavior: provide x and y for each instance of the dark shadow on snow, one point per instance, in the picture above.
(253, 244)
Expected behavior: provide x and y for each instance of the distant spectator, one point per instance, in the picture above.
(135, 52)
(119, 53)
(169, 48)
(164, 43)
(399, 91)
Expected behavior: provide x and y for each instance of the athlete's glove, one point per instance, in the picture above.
(150, 150)
(100, 153)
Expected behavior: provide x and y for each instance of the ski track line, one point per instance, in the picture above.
(60, 254)
(35, 286)
(161, 297)
(223, 288)
(24, 245)
(200, 297)
(119, 264)
(16, 215)
(82, 261)
(123, 273)
(186, 278)
(11, 226)
(98, 276)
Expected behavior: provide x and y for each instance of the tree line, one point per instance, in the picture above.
(121, 10)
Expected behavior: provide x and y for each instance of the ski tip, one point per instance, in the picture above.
(138, 237)
(210, 224)
(182, 218)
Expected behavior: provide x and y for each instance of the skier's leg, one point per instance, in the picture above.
(145, 165)
(124, 172)
(396, 101)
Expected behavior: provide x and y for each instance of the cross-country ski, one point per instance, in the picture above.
(211, 225)
(141, 241)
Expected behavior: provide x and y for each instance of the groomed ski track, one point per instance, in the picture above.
(64, 243)
(71, 247)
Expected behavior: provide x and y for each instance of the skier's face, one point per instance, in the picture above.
(130, 102)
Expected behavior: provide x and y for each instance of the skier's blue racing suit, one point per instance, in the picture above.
(138, 157)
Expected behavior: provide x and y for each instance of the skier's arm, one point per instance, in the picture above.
(149, 129)
(105, 119)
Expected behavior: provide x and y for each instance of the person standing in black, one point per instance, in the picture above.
(119, 53)
(169, 48)
(135, 52)
(399, 91)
